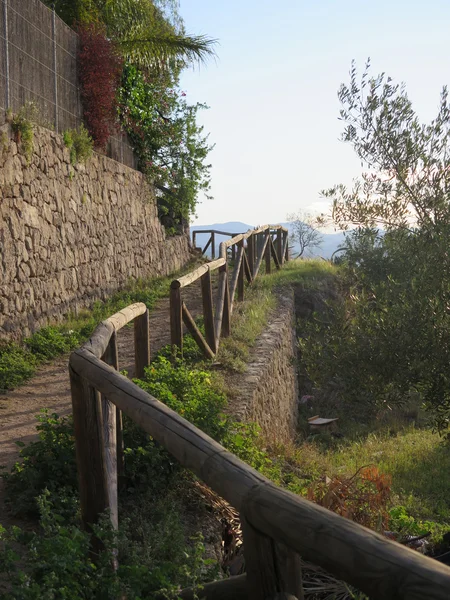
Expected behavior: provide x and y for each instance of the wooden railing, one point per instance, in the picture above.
(278, 526)
(211, 240)
(245, 252)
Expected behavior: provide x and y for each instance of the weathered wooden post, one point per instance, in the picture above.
(240, 282)
(141, 343)
(279, 246)
(97, 472)
(286, 246)
(267, 251)
(176, 323)
(222, 316)
(111, 358)
(208, 313)
(272, 569)
(213, 245)
(251, 252)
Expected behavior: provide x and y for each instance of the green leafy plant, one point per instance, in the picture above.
(16, 365)
(79, 143)
(55, 562)
(49, 342)
(47, 464)
(170, 145)
(188, 391)
(23, 128)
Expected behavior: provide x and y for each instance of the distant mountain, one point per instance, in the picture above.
(331, 241)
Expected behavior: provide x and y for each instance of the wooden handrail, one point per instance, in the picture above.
(216, 231)
(272, 516)
(194, 275)
(245, 267)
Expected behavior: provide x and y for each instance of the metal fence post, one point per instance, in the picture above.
(5, 18)
(55, 67)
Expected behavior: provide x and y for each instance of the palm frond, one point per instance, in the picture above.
(161, 47)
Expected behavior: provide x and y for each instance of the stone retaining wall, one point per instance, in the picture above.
(72, 234)
(268, 390)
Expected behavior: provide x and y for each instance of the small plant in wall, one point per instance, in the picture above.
(23, 128)
(79, 143)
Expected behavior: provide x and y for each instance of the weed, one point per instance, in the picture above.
(79, 143)
(49, 342)
(48, 463)
(55, 562)
(16, 365)
(23, 128)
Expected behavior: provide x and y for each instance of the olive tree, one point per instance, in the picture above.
(394, 335)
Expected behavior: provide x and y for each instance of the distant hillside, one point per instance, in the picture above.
(331, 241)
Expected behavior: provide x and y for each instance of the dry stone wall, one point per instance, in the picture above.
(72, 234)
(268, 390)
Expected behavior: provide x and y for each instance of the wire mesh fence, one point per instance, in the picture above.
(38, 63)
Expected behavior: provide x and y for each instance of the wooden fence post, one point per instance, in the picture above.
(251, 253)
(111, 358)
(272, 569)
(267, 252)
(213, 245)
(176, 323)
(208, 313)
(286, 246)
(196, 333)
(95, 475)
(279, 246)
(240, 282)
(141, 343)
(222, 317)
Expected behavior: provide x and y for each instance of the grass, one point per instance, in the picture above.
(415, 458)
(250, 316)
(18, 362)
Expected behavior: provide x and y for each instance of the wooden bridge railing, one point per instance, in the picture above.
(245, 252)
(278, 526)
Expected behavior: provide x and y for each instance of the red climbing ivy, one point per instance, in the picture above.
(100, 69)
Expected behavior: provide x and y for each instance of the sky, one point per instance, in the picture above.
(272, 92)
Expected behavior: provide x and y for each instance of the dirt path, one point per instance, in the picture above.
(50, 388)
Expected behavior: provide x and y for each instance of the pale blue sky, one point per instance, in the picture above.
(272, 91)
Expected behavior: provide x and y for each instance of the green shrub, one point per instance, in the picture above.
(23, 128)
(56, 563)
(49, 342)
(189, 392)
(16, 365)
(79, 143)
(48, 463)
(404, 524)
